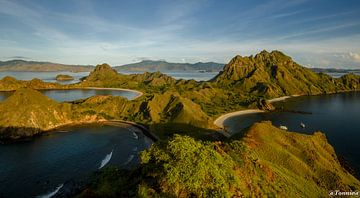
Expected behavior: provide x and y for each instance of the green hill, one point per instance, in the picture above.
(106, 76)
(27, 112)
(275, 74)
(34, 66)
(9, 83)
(163, 66)
(267, 162)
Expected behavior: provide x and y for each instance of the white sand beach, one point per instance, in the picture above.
(220, 120)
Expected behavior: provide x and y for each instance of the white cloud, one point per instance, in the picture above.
(355, 56)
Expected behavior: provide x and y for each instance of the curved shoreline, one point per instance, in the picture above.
(139, 93)
(116, 89)
(219, 122)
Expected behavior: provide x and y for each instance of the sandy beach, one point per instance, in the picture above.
(220, 120)
(281, 98)
(118, 89)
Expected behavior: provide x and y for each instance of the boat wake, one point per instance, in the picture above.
(106, 160)
(51, 193)
(135, 136)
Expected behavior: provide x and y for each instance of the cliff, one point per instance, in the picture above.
(266, 162)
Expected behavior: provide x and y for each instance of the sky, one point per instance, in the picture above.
(316, 33)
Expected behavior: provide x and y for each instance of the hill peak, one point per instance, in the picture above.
(26, 96)
(104, 68)
(102, 72)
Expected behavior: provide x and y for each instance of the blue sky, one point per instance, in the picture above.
(316, 33)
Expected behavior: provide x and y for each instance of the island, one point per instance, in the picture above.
(194, 156)
(64, 77)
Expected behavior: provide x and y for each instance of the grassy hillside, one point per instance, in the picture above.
(163, 66)
(10, 84)
(267, 162)
(28, 112)
(177, 106)
(22, 65)
(275, 74)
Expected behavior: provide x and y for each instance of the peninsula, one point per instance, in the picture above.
(265, 161)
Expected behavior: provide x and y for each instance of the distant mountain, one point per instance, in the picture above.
(163, 66)
(35, 66)
(334, 70)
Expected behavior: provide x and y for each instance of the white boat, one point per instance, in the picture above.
(283, 127)
(302, 125)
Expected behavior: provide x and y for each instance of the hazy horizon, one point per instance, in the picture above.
(316, 34)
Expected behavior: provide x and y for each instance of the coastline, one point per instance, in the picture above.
(63, 129)
(281, 98)
(139, 93)
(116, 89)
(219, 122)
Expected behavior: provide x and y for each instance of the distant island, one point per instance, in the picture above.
(163, 66)
(143, 66)
(64, 77)
(37, 66)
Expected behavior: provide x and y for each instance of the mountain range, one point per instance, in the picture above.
(36, 66)
(163, 66)
(143, 66)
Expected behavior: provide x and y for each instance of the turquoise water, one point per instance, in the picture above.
(337, 115)
(37, 167)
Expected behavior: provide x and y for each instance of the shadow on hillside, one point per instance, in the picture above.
(18, 134)
(167, 130)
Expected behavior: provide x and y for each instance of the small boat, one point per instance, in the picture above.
(302, 125)
(283, 127)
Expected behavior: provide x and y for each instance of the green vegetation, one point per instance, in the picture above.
(28, 112)
(167, 103)
(10, 84)
(64, 77)
(264, 161)
(267, 162)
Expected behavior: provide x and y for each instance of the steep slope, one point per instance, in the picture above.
(163, 66)
(293, 164)
(155, 108)
(275, 74)
(28, 112)
(171, 107)
(106, 76)
(268, 162)
(22, 65)
(9, 84)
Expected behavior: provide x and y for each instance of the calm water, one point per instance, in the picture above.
(50, 76)
(37, 167)
(337, 115)
(75, 94)
(45, 76)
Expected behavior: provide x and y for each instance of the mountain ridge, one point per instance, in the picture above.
(163, 66)
(23, 65)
